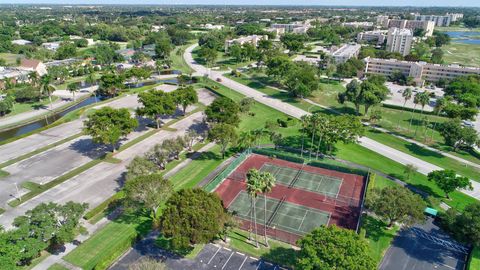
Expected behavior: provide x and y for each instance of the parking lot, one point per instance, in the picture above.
(217, 257)
(424, 247)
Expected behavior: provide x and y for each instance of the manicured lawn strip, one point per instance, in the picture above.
(378, 236)
(425, 154)
(474, 261)
(361, 155)
(29, 106)
(4, 173)
(39, 150)
(279, 252)
(2, 211)
(178, 62)
(57, 266)
(109, 242)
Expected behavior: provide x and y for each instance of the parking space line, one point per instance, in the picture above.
(244, 260)
(225, 264)
(258, 266)
(209, 261)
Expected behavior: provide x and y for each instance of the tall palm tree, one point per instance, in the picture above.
(254, 186)
(268, 182)
(440, 104)
(416, 100)
(423, 99)
(47, 87)
(314, 122)
(246, 139)
(73, 88)
(407, 95)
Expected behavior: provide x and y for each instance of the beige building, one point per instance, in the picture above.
(254, 39)
(419, 71)
(346, 52)
(378, 35)
(440, 20)
(399, 40)
(427, 26)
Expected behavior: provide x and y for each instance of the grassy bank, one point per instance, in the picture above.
(461, 53)
(474, 262)
(378, 236)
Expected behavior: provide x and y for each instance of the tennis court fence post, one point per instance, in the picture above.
(217, 180)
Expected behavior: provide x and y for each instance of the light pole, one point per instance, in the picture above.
(303, 129)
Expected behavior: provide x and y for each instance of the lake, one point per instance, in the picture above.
(465, 37)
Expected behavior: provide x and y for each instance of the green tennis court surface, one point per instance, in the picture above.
(301, 179)
(281, 215)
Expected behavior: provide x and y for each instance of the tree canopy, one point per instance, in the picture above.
(223, 110)
(108, 125)
(193, 216)
(331, 247)
(156, 104)
(449, 181)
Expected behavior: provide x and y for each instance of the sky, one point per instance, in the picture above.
(470, 3)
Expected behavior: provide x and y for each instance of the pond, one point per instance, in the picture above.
(465, 37)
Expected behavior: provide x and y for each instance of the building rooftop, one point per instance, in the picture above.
(347, 49)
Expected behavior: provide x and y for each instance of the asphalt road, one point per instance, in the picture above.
(424, 247)
(389, 152)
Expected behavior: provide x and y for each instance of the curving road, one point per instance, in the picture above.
(389, 152)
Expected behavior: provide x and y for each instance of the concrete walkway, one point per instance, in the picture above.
(389, 152)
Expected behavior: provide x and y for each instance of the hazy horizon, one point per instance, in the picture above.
(383, 3)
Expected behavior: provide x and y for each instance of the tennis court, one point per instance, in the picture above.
(298, 178)
(281, 214)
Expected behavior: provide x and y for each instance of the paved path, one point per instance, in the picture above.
(389, 152)
(187, 161)
(64, 100)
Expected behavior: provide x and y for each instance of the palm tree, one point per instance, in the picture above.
(73, 88)
(254, 186)
(46, 87)
(407, 95)
(423, 99)
(258, 134)
(440, 104)
(246, 139)
(268, 182)
(90, 79)
(416, 100)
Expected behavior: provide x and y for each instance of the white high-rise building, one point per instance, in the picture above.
(399, 40)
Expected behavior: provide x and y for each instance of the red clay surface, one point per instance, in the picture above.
(345, 210)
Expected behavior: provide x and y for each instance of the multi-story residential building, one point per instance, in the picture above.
(440, 20)
(399, 40)
(378, 35)
(297, 27)
(254, 39)
(419, 71)
(427, 26)
(346, 52)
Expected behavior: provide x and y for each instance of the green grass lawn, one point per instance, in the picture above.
(378, 236)
(30, 106)
(279, 252)
(57, 266)
(178, 62)
(109, 241)
(361, 155)
(11, 58)
(460, 53)
(474, 262)
(392, 119)
(425, 154)
(223, 61)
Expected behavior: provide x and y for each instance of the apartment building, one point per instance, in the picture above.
(254, 39)
(346, 52)
(364, 25)
(297, 28)
(378, 35)
(419, 71)
(440, 20)
(399, 40)
(427, 26)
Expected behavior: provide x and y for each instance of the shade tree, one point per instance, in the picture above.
(224, 135)
(449, 181)
(156, 104)
(223, 110)
(108, 125)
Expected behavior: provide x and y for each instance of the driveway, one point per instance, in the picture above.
(424, 247)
